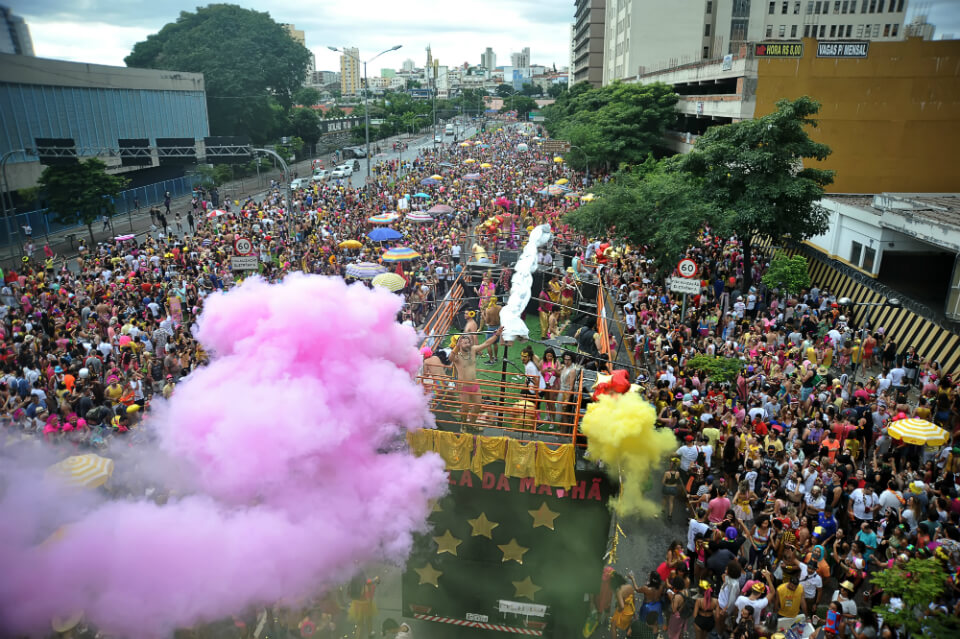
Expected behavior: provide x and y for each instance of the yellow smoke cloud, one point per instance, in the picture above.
(621, 434)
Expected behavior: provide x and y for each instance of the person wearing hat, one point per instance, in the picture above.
(843, 597)
(756, 597)
(688, 454)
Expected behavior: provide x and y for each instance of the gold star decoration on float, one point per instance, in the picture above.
(543, 516)
(512, 551)
(482, 527)
(429, 575)
(526, 588)
(447, 543)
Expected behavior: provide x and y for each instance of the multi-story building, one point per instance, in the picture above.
(641, 36)
(488, 59)
(95, 106)
(919, 28)
(586, 57)
(521, 60)
(14, 34)
(890, 110)
(350, 74)
(408, 66)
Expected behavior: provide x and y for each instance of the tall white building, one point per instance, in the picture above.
(520, 60)
(14, 34)
(488, 59)
(919, 28)
(408, 66)
(641, 36)
(350, 73)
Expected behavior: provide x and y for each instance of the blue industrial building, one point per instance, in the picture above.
(95, 105)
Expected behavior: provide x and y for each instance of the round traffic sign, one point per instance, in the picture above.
(687, 268)
(242, 246)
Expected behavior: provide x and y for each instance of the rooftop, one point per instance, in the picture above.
(937, 208)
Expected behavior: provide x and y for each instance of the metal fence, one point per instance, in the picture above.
(44, 225)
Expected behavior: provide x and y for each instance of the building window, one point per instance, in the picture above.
(706, 52)
(784, 8)
(769, 30)
(833, 31)
(886, 31)
(817, 9)
(849, 30)
(783, 30)
(856, 249)
(869, 257)
(710, 6)
(896, 29)
(876, 31)
(809, 7)
(793, 31)
(796, 8)
(880, 6)
(859, 30)
(900, 6)
(772, 8)
(706, 30)
(823, 31)
(863, 6)
(873, 6)
(845, 6)
(836, 6)
(806, 31)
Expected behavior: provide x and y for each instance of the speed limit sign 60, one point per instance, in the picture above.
(687, 268)
(242, 246)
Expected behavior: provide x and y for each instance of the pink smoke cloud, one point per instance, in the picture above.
(289, 441)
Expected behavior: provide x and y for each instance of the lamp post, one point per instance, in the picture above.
(5, 194)
(585, 157)
(846, 301)
(366, 90)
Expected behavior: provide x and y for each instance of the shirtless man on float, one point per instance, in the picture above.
(464, 360)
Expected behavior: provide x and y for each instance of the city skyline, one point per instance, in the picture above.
(98, 32)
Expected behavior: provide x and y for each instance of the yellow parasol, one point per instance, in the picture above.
(562, 181)
(469, 161)
(87, 471)
(486, 165)
(558, 160)
(920, 432)
(464, 144)
(389, 281)
(350, 244)
(436, 177)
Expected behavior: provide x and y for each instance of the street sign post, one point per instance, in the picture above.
(687, 268)
(685, 286)
(555, 147)
(242, 246)
(244, 263)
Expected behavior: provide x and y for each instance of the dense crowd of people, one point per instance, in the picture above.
(795, 488)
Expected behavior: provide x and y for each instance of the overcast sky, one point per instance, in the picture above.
(104, 31)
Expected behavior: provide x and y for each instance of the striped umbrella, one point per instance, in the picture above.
(920, 432)
(419, 216)
(390, 281)
(215, 213)
(471, 176)
(383, 218)
(400, 254)
(85, 471)
(440, 208)
(365, 270)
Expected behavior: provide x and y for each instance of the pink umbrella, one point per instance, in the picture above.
(215, 213)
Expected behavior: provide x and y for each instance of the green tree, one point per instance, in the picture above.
(716, 369)
(505, 90)
(305, 124)
(753, 171)
(222, 173)
(531, 90)
(519, 103)
(306, 96)
(81, 193)
(649, 205)
(616, 124)
(248, 62)
(787, 274)
(556, 90)
(917, 583)
(334, 112)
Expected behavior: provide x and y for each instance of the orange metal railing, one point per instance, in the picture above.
(504, 404)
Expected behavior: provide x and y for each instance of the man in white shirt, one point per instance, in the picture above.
(863, 503)
(896, 375)
(694, 528)
(688, 454)
(891, 499)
